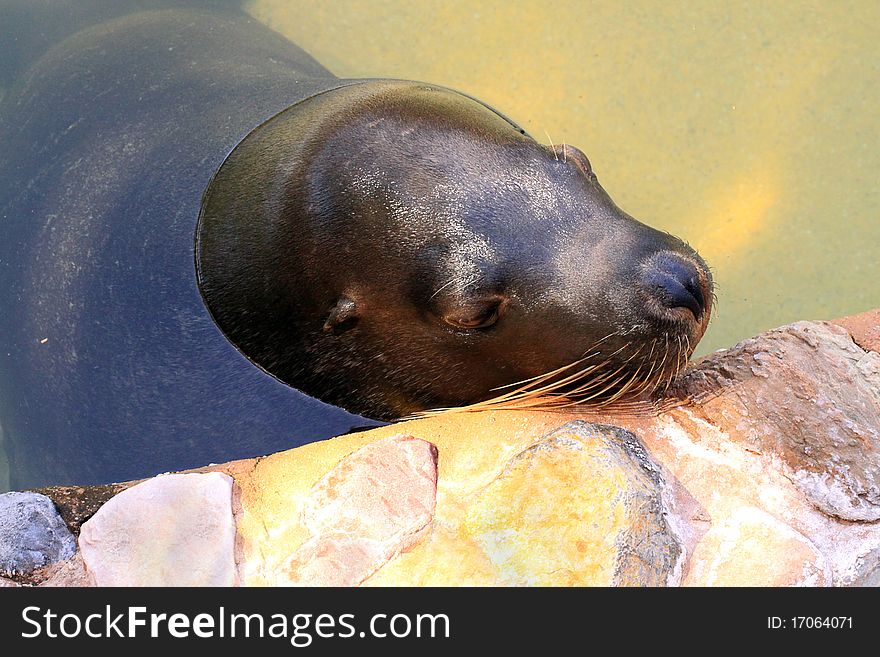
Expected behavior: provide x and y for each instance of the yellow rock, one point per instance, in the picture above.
(549, 519)
(580, 506)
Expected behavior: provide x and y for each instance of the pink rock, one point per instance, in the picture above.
(376, 503)
(809, 395)
(864, 329)
(68, 573)
(752, 548)
(172, 530)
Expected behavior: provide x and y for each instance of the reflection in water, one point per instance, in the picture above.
(749, 129)
(745, 214)
(4, 465)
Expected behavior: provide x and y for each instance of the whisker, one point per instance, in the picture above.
(621, 382)
(626, 386)
(552, 146)
(555, 385)
(598, 380)
(598, 342)
(672, 373)
(547, 375)
(442, 287)
(648, 380)
(610, 386)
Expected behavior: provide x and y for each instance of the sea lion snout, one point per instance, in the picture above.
(678, 284)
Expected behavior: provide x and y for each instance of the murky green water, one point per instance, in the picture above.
(748, 128)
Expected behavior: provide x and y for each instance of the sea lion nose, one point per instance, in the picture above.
(676, 283)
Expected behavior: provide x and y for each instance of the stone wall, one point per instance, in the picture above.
(764, 469)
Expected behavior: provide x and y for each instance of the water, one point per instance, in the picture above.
(4, 465)
(750, 129)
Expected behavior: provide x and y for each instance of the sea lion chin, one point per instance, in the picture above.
(392, 247)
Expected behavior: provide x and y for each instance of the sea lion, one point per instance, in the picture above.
(212, 246)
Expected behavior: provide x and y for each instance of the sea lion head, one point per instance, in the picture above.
(396, 247)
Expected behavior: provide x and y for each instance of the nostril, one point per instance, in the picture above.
(677, 283)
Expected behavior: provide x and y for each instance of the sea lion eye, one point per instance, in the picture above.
(475, 317)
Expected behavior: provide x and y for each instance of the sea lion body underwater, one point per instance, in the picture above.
(205, 232)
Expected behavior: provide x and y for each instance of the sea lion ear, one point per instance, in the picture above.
(568, 153)
(343, 316)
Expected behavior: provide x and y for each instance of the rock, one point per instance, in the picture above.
(718, 486)
(785, 423)
(7, 583)
(752, 548)
(276, 490)
(582, 506)
(820, 416)
(172, 530)
(32, 534)
(864, 329)
(374, 504)
(71, 572)
(76, 504)
(536, 515)
(867, 571)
